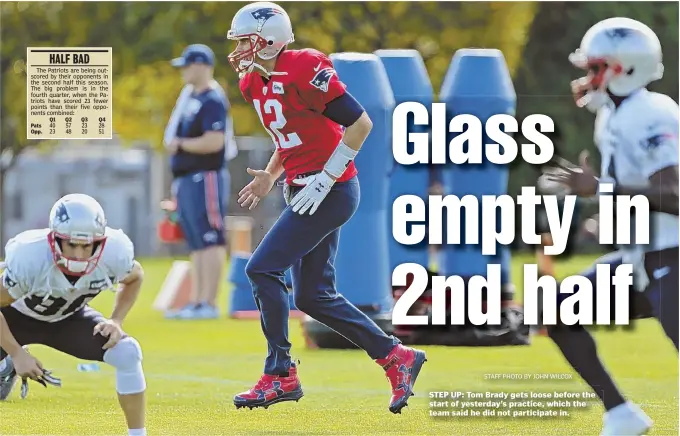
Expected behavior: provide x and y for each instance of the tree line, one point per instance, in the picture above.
(536, 39)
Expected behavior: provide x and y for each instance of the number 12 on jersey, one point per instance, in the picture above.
(273, 107)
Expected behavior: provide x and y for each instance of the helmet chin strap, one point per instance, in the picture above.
(254, 65)
(268, 73)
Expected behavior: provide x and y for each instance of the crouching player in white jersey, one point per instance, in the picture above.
(636, 132)
(50, 277)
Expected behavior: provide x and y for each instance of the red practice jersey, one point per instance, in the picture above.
(290, 107)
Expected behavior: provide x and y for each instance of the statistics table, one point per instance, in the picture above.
(69, 93)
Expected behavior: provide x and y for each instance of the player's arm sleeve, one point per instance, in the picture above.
(16, 276)
(214, 116)
(344, 110)
(318, 82)
(659, 146)
(124, 259)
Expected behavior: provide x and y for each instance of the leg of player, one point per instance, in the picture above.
(214, 265)
(126, 357)
(196, 282)
(662, 293)
(213, 262)
(8, 376)
(201, 212)
(74, 336)
(210, 266)
(292, 238)
(579, 348)
(213, 253)
(315, 294)
(184, 193)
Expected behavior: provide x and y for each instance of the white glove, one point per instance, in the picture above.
(547, 186)
(311, 196)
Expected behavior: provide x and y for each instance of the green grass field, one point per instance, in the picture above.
(194, 368)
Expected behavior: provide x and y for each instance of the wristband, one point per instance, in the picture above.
(340, 160)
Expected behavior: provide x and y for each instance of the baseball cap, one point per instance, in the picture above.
(195, 54)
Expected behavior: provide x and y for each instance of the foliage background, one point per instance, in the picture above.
(535, 37)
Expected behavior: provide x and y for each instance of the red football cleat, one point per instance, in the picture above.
(271, 389)
(402, 367)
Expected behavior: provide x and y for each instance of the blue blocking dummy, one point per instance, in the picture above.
(362, 262)
(478, 83)
(410, 82)
(242, 304)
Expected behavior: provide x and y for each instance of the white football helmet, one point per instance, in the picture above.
(621, 56)
(77, 218)
(266, 26)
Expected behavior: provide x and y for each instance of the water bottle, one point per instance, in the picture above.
(88, 367)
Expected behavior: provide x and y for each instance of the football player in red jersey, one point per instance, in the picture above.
(318, 128)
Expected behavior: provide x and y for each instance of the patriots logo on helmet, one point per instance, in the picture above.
(656, 140)
(262, 15)
(62, 214)
(322, 78)
(99, 220)
(618, 33)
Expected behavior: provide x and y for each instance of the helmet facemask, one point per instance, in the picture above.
(243, 61)
(73, 266)
(590, 91)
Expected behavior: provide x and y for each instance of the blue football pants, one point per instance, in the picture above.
(308, 244)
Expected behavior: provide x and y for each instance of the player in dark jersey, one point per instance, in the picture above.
(318, 128)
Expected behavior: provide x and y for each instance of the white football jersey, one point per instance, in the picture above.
(636, 140)
(40, 288)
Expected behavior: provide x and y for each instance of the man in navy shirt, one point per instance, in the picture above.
(199, 167)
